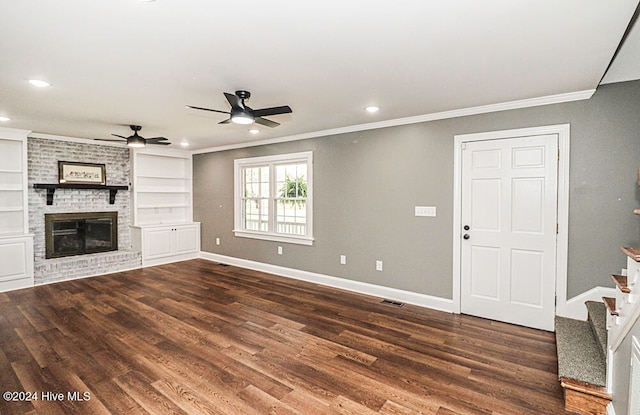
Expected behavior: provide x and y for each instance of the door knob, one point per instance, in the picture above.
(466, 236)
(466, 227)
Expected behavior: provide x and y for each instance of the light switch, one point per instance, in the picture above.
(425, 211)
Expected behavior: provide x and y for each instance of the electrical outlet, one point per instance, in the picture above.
(378, 265)
(279, 250)
(343, 259)
(217, 241)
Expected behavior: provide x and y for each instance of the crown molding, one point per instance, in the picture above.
(77, 140)
(465, 112)
(13, 133)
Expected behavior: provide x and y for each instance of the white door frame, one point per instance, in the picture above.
(563, 131)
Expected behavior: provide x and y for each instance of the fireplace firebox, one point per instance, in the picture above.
(68, 234)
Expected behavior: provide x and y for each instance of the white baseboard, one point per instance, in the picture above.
(423, 300)
(169, 259)
(575, 307)
(16, 284)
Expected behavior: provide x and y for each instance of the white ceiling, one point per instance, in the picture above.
(119, 62)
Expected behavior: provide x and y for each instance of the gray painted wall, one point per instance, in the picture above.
(367, 183)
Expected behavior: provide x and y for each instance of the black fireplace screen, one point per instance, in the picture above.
(80, 233)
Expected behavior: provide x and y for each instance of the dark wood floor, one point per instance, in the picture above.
(200, 338)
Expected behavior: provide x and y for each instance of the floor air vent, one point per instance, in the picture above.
(391, 302)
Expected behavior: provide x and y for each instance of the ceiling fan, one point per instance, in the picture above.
(137, 141)
(241, 114)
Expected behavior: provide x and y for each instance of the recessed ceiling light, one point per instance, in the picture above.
(39, 83)
(254, 131)
(184, 143)
(4, 119)
(372, 109)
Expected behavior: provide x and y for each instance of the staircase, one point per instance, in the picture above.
(582, 351)
(585, 346)
(582, 345)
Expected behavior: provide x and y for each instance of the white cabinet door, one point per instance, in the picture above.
(186, 239)
(16, 263)
(163, 244)
(157, 243)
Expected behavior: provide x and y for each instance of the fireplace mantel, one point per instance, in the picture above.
(51, 189)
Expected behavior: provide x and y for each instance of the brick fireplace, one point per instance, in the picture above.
(43, 157)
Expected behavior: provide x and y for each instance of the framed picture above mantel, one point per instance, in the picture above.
(71, 172)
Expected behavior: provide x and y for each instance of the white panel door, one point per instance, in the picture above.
(509, 210)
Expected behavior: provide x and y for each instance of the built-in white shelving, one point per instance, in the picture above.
(163, 228)
(13, 195)
(16, 244)
(162, 187)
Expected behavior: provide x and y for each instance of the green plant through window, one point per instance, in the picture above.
(294, 189)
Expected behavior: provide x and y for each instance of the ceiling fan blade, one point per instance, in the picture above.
(116, 135)
(234, 101)
(265, 112)
(227, 121)
(207, 109)
(107, 139)
(266, 122)
(162, 143)
(157, 139)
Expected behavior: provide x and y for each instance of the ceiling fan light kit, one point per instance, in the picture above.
(242, 118)
(244, 115)
(136, 141)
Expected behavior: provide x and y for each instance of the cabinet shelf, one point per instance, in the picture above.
(162, 206)
(52, 187)
(163, 176)
(14, 209)
(165, 191)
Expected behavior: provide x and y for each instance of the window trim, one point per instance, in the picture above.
(272, 161)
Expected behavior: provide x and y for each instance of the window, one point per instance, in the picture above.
(273, 199)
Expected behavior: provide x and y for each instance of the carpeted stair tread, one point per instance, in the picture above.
(597, 313)
(579, 353)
